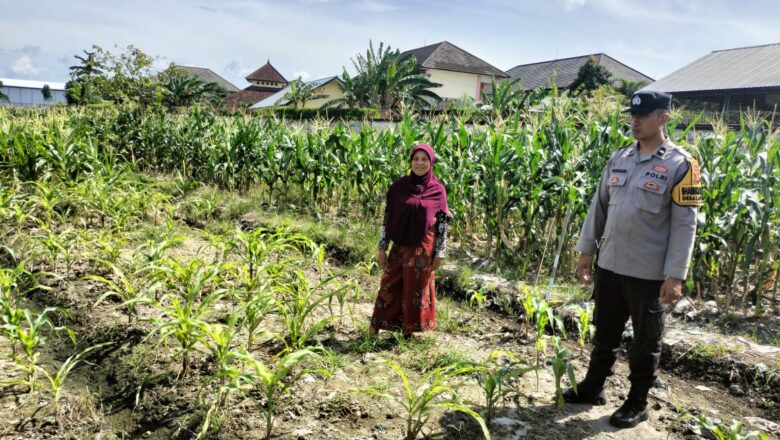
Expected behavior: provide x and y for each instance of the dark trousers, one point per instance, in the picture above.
(619, 297)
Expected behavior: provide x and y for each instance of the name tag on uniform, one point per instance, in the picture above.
(660, 169)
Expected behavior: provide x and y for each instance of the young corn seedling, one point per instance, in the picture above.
(477, 302)
(561, 366)
(131, 289)
(253, 314)
(183, 310)
(29, 336)
(432, 391)
(270, 381)
(493, 376)
(735, 431)
(297, 303)
(542, 317)
(528, 302)
(57, 380)
(584, 328)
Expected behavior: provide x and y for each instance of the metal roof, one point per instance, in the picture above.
(447, 56)
(741, 68)
(209, 76)
(30, 84)
(536, 75)
(276, 99)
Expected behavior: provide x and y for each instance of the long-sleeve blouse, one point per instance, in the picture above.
(440, 237)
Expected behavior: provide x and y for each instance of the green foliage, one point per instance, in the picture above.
(735, 431)
(3, 96)
(298, 114)
(418, 400)
(45, 91)
(270, 381)
(182, 89)
(386, 81)
(510, 184)
(500, 368)
(627, 87)
(301, 92)
(561, 366)
(584, 328)
(591, 75)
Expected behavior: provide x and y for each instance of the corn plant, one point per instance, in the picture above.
(477, 302)
(297, 301)
(29, 336)
(584, 328)
(735, 431)
(528, 301)
(253, 314)
(493, 377)
(271, 380)
(544, 315)
(192, 293)
(130, 289)
(419, 400)
(561, 366)
(59, 245)
(57, 380)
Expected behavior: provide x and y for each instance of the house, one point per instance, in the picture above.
(727, 81)
(326, 86)
(263, 83)
(209, 76)
(563, 72)
(460, 73)
(27, 93)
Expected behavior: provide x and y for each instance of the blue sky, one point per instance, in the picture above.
(315, 38)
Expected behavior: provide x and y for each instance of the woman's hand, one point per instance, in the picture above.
(381, 258)
(436, 263)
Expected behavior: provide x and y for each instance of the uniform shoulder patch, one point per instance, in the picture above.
(687, 192)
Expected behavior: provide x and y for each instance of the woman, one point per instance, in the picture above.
(416, 216)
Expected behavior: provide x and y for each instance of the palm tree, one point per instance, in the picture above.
(354, 92)
(301, 92)
(386, 81)
(628, 87)
(183, 89)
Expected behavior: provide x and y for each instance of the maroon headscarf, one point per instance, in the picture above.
(413, 202)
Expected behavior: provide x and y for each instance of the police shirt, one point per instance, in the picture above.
(644, 213)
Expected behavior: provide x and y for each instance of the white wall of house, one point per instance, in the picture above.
(456, 85)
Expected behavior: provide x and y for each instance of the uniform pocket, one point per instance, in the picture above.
(615, 182)
(650, 196)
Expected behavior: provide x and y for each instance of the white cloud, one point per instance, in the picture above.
(375, 6)
(24, 66)
(302, 75)
(571, 5)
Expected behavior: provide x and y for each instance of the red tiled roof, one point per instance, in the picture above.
(249, 96)
(266, 73)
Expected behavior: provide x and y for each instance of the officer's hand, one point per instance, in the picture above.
(671, 291)
(584, 267)
(436, 263)
(381, 258)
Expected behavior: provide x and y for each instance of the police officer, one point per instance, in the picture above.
(642, 220)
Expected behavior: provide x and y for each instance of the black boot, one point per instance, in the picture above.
(590, 391)
(630, 414)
